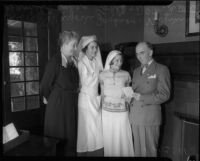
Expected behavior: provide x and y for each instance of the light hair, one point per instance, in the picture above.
(67, 36)
(112, 61)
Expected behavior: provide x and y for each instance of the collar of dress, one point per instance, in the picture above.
(88, 64)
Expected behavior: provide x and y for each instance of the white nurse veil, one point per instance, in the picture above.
(85, 40)
(110, 57)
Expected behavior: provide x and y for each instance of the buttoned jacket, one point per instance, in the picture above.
(154, 86)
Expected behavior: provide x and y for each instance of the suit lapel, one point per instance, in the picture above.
(151, 69)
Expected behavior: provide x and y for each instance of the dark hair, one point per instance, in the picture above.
(85, 48)
(111, 62)
(67, 36)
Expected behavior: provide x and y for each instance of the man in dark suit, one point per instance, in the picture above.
(151, 84)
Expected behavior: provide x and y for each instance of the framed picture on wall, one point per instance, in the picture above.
(192, 18)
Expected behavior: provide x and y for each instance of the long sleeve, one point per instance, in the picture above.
(162, 92)
(48, 79)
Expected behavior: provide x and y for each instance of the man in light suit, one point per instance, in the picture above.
(151, 84)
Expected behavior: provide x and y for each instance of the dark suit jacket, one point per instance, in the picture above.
(154, 87)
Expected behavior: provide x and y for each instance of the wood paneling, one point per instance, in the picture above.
(182, 58)
(185, 100)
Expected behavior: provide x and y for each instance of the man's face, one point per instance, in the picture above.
(143, 53)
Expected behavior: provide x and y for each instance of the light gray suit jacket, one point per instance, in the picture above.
(154, 86)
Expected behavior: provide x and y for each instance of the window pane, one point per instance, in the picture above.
(16, 59)
(17, 104)
(31, 59)
(16, 74)
(15, 43)
(32, 73)
(31, 44)
(32, 102)
(14, 27)
(32, 88)
(17, 89)
(30, 29)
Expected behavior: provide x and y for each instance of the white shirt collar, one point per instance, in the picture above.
(64, 58)
(149, 63)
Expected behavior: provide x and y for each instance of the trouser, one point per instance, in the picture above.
(145, 140)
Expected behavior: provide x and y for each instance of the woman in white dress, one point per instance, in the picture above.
(90, 140)
(117, 133)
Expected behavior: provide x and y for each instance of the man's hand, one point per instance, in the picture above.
(136, 96)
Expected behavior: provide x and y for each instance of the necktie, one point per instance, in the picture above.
(144, 68)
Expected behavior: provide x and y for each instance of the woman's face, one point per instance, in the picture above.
(116, 62)
(91, 50)
(68, 49)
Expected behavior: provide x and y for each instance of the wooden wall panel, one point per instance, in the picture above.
(183, 61)
(182, 58)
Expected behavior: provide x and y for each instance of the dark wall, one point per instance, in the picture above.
(112, 24)
(182, 58)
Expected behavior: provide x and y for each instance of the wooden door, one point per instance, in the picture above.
(25, 53)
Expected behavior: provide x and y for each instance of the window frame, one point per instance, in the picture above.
(24, 52)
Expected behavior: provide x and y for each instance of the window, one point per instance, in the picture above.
(23, 65)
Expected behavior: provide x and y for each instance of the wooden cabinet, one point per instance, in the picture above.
(189, 137)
